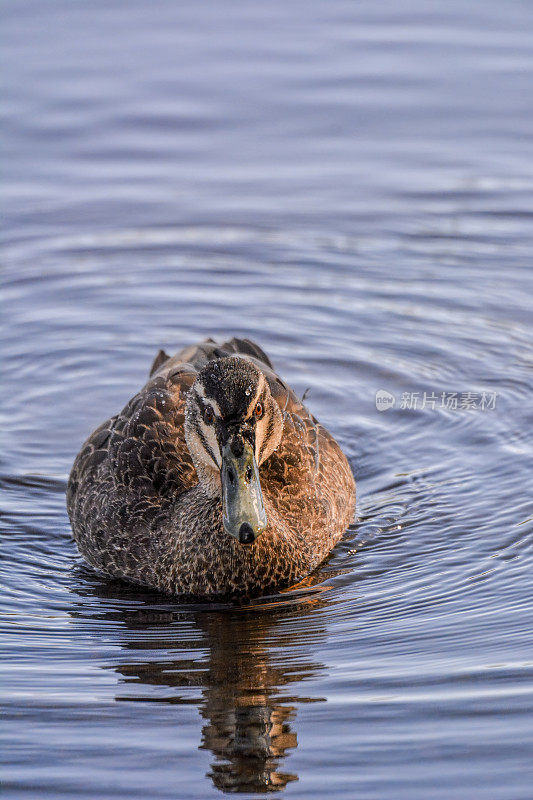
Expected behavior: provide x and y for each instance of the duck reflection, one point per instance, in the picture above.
(243, 661)
(247, 728)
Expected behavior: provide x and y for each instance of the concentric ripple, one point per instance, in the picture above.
(419, 612)
(350, 184)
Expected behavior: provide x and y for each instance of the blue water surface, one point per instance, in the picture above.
(350, 184)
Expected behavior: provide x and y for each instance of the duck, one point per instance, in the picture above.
(214, 481)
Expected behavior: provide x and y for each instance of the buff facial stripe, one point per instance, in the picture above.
(268, 433)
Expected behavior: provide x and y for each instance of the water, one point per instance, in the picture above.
(351, 185)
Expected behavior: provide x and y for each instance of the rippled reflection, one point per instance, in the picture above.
(351, 185)
(245, 673)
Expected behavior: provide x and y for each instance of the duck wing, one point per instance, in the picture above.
(198, 355)
(141, 453)
(308, 473)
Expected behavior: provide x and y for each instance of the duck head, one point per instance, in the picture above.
(232, 425)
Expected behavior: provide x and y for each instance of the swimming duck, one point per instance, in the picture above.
(213, 481)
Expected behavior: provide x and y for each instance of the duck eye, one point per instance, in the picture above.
(258, 410)
(209, 415)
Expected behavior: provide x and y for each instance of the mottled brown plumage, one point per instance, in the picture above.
(139, 511)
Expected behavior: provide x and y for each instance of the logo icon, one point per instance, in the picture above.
(384, 400)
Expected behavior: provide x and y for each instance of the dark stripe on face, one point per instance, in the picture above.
(201, 401)
(204, 441)
(260, 399)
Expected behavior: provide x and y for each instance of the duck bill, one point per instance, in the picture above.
(243, 510)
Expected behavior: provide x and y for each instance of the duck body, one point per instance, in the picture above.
(163, 494)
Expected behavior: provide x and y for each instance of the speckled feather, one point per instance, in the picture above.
(139, 513)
